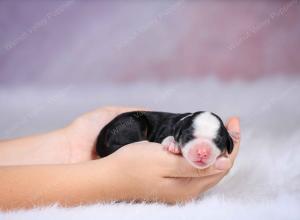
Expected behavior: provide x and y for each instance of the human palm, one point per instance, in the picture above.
(81, 134)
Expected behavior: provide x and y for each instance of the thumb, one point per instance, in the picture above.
(233, 127)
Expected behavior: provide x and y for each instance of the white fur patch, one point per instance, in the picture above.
(206, 125)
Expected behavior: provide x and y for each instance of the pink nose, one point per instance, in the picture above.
(203, 152)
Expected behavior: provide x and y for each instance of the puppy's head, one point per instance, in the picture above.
(202, 137)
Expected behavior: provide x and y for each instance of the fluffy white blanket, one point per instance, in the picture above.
(265, 180)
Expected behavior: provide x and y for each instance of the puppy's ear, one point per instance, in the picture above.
(229, 144)
(177, 130)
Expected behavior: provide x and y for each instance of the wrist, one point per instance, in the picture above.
(48, 148)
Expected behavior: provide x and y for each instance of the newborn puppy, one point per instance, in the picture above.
(200, 137)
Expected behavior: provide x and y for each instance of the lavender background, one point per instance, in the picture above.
(59, 59)
(79, 42)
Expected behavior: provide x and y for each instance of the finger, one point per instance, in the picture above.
(178, 166)
(193, 187)
(233, 127)
(203, 184)
(223, 163)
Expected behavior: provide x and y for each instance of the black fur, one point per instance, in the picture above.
(137, 126)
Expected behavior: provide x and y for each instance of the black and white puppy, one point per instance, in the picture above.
(200, 137)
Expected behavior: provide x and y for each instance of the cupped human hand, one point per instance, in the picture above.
(144, 171)
(82, 133)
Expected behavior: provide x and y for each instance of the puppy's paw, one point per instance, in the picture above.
(171, 145)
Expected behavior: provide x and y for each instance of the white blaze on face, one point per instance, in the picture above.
(206, 127)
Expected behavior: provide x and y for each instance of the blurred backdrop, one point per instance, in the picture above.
(95, 41)
(59, 59)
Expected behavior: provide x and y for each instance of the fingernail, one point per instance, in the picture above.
(222, 163)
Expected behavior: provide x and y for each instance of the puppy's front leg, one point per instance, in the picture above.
(171, 145)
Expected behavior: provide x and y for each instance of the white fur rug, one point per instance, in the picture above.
(264, 183)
